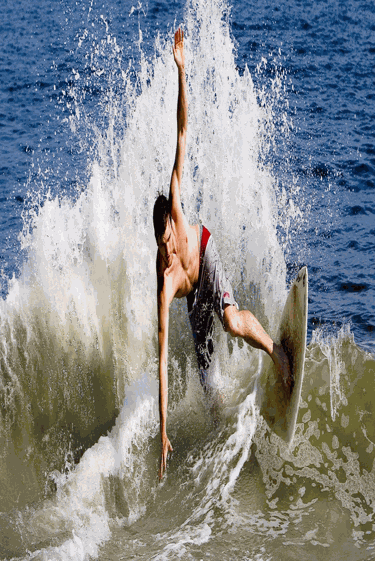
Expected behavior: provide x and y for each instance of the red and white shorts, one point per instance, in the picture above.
(212, 292)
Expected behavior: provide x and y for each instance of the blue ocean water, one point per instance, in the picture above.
(327, 54)
(281, 156)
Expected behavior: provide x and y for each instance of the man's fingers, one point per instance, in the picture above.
(178, 37)
(163, 459)
(161, 469)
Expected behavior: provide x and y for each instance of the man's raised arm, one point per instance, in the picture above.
(182, 121)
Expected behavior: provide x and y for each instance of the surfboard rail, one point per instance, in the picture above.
(278, 405)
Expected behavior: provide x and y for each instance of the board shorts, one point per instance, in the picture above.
(212, 292)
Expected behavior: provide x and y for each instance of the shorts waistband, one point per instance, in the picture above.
(205, 236)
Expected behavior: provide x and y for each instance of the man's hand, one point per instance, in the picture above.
(178, 49)
(165, 448)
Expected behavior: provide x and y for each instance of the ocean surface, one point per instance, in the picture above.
(280, 166)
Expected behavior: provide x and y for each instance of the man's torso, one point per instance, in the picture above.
(183, 273)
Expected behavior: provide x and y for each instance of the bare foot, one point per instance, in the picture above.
(281, 362)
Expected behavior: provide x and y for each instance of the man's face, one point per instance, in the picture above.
(166, 244)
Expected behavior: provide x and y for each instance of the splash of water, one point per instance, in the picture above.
(333, 447)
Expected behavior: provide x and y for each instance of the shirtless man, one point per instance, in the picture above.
(188, 264)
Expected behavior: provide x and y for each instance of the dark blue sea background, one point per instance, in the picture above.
(85, 90)
(327, 53)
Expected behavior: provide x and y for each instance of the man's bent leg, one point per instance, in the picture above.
(244, 324)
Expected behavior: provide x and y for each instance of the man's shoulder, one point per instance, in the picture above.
(162, 271)
(178, 214)
(160, 267)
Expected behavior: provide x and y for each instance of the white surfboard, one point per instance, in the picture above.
(279, 406)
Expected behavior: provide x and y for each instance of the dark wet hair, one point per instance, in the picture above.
(162, 213)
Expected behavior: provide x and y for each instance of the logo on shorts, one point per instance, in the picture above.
(226, 295)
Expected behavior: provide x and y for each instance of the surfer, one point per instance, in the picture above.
(188, 264)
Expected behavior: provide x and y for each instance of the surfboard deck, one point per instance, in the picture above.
(279, 406)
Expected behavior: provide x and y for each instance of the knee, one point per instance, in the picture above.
(232, 323)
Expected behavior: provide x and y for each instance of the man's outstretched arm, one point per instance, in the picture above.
(182, 121)
(163, 320)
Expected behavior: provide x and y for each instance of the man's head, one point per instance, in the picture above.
(162, 215)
